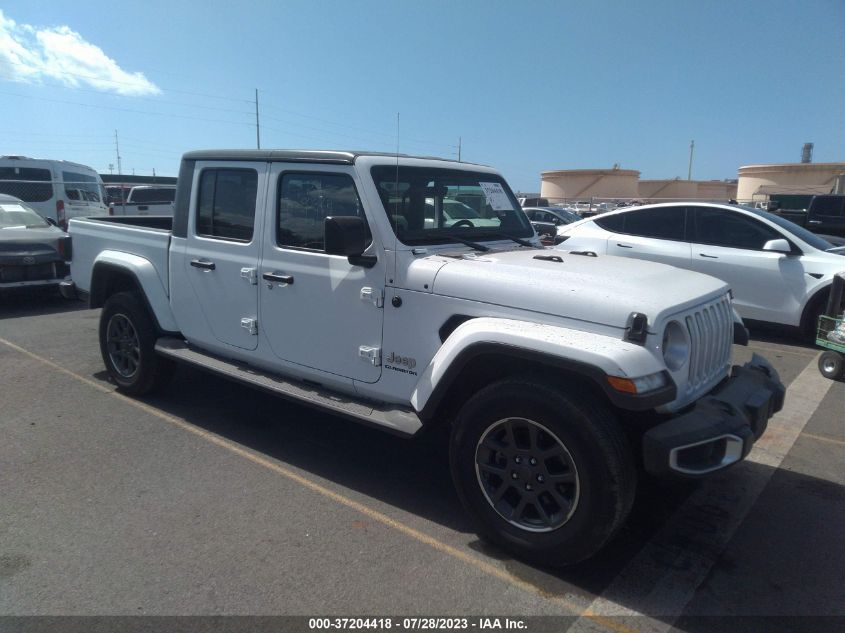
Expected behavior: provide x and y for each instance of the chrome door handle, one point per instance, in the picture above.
(814, 221)
(278, 277)
(201, 263)
(708, 256)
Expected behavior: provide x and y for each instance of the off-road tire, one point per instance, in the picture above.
(590, 433)
(125, 313)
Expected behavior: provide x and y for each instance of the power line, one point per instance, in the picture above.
(103, 107)
(154, 100)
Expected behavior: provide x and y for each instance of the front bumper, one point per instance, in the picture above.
(722, 426)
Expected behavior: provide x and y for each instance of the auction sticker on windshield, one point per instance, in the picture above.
(496, 196)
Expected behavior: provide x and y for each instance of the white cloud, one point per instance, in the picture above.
(29, 54)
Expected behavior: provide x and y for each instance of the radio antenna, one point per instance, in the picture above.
(395, 219)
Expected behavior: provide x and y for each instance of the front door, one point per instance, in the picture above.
(319, 311)
(767, 286)
(221, 260)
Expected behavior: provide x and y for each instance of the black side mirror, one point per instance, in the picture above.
(347, 235)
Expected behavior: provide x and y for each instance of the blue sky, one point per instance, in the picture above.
(529, 86)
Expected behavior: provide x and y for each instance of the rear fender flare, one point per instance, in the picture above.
(111, 263)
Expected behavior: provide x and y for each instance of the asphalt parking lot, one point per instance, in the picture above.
(211, 498)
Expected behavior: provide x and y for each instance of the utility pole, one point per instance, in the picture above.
(691, 149)
(117, 151)
(257, 128)
(459, 149)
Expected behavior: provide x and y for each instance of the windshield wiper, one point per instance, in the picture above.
(473, 245)
(518, 240)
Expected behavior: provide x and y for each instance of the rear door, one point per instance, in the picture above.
(222, 249)
(657, 235)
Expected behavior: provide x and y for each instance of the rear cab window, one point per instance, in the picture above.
(226, 204)
(154, 195)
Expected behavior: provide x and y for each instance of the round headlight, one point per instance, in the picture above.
(675, 346)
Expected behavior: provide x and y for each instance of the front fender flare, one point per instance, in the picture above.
(594, 356)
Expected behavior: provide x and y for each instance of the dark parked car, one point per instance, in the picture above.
(824, 215)
(546, 221)
(33, 251)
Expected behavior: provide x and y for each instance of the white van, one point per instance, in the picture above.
(57, 189)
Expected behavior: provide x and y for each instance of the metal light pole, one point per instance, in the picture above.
(691, 149)
(257, 128)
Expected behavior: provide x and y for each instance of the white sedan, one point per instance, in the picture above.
(778, 272)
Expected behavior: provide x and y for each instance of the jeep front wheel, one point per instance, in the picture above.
(543, 473)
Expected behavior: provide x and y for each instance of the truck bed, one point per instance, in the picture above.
(146, 237)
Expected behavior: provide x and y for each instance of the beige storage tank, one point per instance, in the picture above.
(757, 181)
(582, 184)
(677, 189)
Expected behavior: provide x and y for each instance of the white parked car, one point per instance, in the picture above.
(778, 271)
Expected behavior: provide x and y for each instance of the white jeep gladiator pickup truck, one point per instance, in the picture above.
(411, 293)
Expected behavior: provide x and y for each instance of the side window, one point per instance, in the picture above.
(226, 206)
(27, 183)
(306, 200)
(664, 223)
(720, 227)
(614, 223)
(828, 206)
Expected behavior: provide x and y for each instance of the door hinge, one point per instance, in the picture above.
(250, 325)
(370, 354)
(250, 274)
(376, 297)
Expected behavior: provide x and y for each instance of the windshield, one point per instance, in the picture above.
(426, 205)
(798, 231)
(16, 215)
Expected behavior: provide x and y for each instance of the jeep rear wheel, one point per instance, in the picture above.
(543, 473)
(127, 344)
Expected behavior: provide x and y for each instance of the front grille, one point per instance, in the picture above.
(36, 272)
(710, 330)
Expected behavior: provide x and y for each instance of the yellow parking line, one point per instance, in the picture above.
(375, 515)
(822, 438)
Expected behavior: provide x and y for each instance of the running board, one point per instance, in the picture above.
(396, 419)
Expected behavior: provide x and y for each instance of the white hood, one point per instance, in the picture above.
(602, 289)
